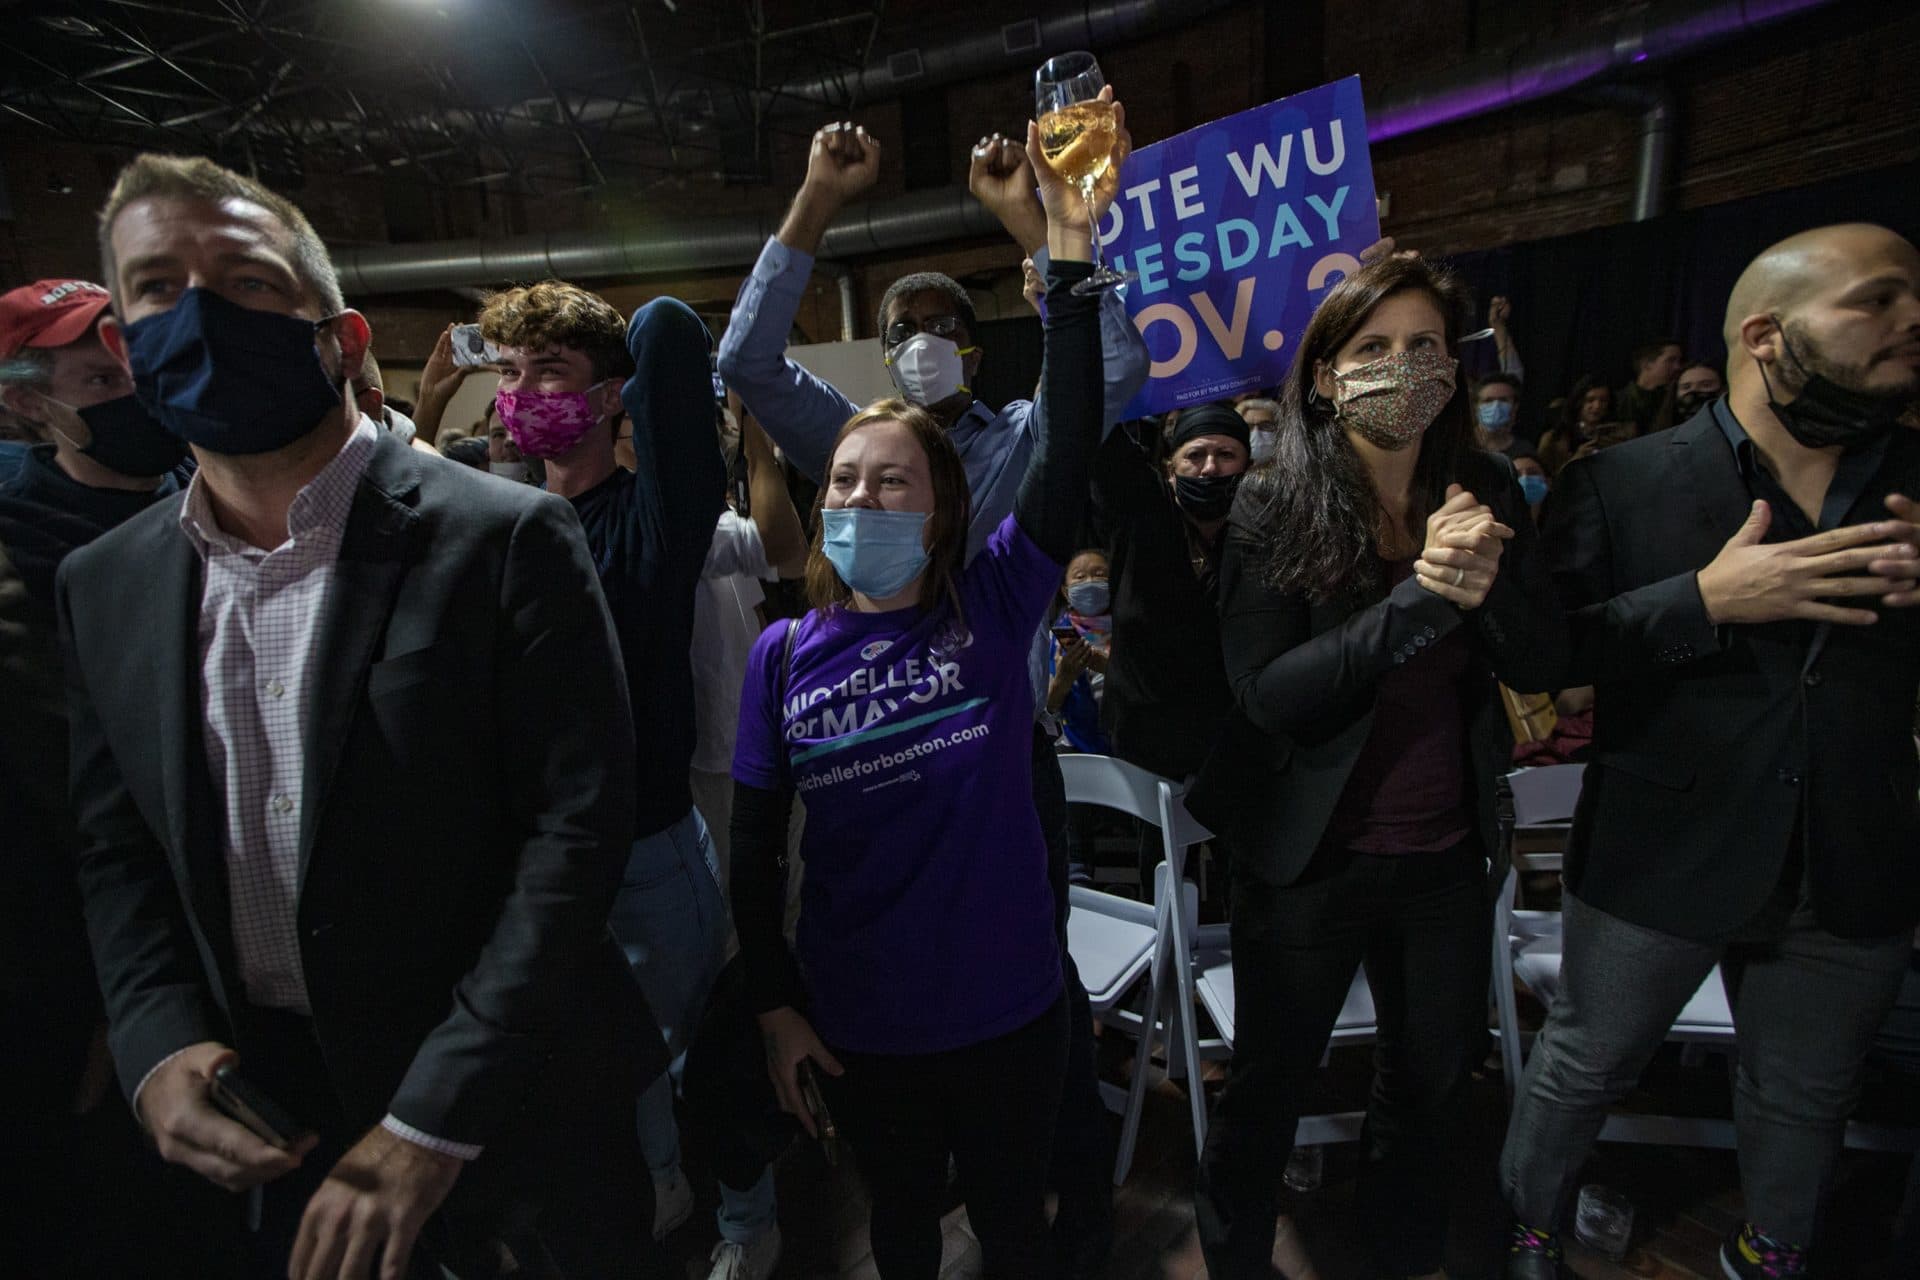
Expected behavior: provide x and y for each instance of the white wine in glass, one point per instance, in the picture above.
(1077, 136)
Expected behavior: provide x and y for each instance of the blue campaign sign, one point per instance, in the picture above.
(1237, 229)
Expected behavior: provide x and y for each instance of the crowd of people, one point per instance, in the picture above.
(417, 845)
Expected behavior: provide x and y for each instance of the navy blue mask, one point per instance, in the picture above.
(228, 378)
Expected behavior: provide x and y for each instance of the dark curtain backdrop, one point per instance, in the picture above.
(1581, 303)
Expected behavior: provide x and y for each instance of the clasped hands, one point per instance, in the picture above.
(1461, 558)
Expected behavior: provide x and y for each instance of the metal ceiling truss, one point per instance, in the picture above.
(524, 97)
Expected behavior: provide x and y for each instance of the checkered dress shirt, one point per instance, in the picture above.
(260, 616)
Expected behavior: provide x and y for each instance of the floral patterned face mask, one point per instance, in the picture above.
(545, 424)
(1390, 401)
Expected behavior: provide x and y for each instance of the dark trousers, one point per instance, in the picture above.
(589, 1215)
(1898, 1045)
(1082, 1145)
(85, 1193)
(1806, 1003)
(991, 1106)
(1420, 923)
(731, 1106)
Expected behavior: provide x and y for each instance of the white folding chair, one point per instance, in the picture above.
(1357, 1023)
(1114, 941)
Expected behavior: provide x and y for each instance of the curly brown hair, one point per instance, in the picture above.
(554, 313)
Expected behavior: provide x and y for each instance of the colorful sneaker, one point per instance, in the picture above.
(672, 1203)
(1535, 1255)
(754, 1260)
(1748, 1255)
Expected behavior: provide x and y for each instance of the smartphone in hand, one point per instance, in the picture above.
(817, 1109)
(242, 1101)
(472, 350)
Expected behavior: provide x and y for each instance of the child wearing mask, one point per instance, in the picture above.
(1082, 642)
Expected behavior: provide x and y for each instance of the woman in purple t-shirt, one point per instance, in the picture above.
(927, 992)
(1377, 574)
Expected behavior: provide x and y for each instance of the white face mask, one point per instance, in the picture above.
(926, 368)
(510, 470)
(1261, 443)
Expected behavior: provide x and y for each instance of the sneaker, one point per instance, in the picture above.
(754, 1260)
(1748, 1255)
(672, 1203)
(1535, 1255)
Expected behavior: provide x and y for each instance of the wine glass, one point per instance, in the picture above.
(1077, 136)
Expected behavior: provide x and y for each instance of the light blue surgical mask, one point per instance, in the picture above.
(1533, 489)
(1090, 598)
(877, 553)
(1495, 414)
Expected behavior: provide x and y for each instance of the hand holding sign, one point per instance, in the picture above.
(1236, 230)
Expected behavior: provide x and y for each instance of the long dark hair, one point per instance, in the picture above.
(946, 527)
(1576, 399)
(1311, 510)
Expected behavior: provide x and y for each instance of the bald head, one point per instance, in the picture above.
(1786, 275)
(1840, 303)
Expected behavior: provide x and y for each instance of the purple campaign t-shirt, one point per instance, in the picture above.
(926, 917)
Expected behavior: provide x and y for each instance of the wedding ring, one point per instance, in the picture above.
(1459, 576)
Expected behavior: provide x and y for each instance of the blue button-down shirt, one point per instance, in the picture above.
(803, 413)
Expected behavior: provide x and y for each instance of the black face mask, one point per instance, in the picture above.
(1693, 402)
(126, 439)
(1205, 498)
(1825, 413)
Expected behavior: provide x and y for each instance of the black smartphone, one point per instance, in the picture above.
(242, 1101)
(817, 1109)
(1065, 635)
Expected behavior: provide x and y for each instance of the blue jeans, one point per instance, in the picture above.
(672, 924)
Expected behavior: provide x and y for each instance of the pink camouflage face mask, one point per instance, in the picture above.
(545, 424)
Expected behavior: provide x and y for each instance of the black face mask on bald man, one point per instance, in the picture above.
(1825, 413)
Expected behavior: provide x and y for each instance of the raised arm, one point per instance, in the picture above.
(678, 473)
(802, 413)
(778, 520)
(1066, 422)
(1002, 178)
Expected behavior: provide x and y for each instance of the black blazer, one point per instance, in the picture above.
(470, 807)
(1707, 741)
(1304, 676)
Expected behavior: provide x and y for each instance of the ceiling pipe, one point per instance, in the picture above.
(1092, 24)
(1657, 118)
(1527, 73)
(1544, 68)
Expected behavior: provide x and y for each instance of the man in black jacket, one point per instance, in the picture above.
(75, 1147)
(423, 979)
(1741, 600)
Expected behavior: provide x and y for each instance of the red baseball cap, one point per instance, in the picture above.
(49, 313)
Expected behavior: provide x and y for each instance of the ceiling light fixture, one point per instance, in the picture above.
(68, 24)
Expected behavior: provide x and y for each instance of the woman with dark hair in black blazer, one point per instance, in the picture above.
(1377, 578)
